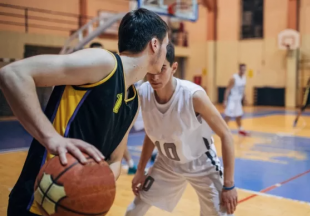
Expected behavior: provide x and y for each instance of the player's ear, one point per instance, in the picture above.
(155, 45)
(174, 67)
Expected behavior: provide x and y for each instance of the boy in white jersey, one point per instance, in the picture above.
(233, 97)
(177, 115)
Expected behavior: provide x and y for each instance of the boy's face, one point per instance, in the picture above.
(159, 81)
(242, 70)
(159, 55)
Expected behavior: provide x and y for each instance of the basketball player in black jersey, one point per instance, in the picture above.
(93, 104)
(132, 169)
(305, 103)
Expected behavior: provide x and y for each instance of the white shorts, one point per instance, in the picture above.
(234, 108)
(167, 181)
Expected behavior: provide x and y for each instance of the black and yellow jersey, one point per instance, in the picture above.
(97, 113)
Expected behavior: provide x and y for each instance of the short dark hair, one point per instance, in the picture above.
(170, 53)
(241, 65)
(96, 44)
(137, 28)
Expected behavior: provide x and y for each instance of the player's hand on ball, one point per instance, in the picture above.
(229, 200)
(138, 182)
(60, 146)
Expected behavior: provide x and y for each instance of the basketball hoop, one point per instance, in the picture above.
(182, 7)
(288, 39)
(177, 9)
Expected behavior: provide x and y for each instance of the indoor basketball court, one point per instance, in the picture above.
(211, 38)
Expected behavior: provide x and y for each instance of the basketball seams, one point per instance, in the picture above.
(54, 181)
(73, 211)
(57, 204)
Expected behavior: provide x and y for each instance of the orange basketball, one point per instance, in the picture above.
(74, 189)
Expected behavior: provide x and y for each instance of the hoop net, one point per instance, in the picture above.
(288, 39)
(180, 7)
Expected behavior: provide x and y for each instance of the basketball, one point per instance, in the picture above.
(74, 189)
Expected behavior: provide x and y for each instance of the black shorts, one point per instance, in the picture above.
(15, 210)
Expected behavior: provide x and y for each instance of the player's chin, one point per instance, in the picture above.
(156, 86)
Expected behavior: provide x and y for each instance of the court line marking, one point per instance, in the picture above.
(264, 191)
(271, 195)
(6, 151)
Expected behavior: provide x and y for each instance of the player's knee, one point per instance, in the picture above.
(137, 208)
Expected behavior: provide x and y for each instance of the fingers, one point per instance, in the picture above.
(76, 153)
(231, 205)
(235, 203)
(228, 207)
(136, 187)
(135, 190)
(62, 155)
(90, 150)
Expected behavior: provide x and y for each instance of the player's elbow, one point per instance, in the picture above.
(11, 76)
(5, 76)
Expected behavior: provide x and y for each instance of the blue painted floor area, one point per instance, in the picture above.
(13, 136)
(290, 156)
(257, 175)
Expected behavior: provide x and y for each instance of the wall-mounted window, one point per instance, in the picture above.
(252, 19)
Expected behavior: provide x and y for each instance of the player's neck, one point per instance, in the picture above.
(135, 67)
(164, 95)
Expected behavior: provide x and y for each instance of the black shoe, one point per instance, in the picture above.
(153, 157)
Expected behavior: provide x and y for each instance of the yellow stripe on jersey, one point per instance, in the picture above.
(68, 104)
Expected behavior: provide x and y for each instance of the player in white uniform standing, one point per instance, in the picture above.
(234, 94)
(177, 115)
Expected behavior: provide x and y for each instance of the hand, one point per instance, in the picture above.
(138, 182)
(245, 101)
(60, 146)
(224, 103)
(229, 200)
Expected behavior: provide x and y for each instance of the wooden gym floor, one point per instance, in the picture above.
(272, 166)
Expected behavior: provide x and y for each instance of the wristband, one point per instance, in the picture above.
(228, 188)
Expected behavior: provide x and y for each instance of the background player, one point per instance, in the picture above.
(306, 102)
(234, 94)
(177, 115)
(96, 45)
(92, 106)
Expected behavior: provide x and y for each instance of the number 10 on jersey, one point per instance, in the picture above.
(170, 150)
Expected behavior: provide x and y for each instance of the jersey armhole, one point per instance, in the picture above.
(193, 108)
(104, 79)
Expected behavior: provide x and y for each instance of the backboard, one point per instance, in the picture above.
(180, 9)
(288, 39)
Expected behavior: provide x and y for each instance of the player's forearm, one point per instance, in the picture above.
(228, 159)
(20, 93)
(116, 169)
(147, 150)
(226, 94)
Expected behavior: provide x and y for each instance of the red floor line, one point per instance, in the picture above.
(274, 186)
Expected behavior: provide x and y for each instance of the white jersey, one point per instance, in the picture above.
(173, 127)
(237, 92)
